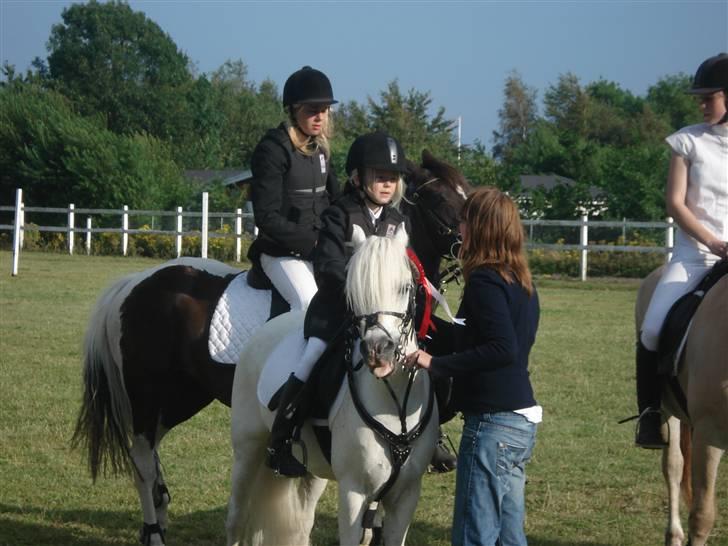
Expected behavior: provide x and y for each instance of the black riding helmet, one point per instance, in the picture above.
(308, 86)
(712, 76)
(375, 151)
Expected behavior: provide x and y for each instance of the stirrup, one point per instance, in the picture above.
(284, 464)
(443, 459)
(648, 434)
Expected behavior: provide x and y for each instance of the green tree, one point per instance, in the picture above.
(516, 118)
(247, 111)
(668, 98)
(113, 61)
(59, 157)
(407, 118)
(566, 105)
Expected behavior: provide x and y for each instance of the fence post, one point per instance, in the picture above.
(88, 236)
(624, 230)
(583, 241)
(125, 230)
(238, 232)
(71, 226)
(203, 242)
(670, 237)
(17, 230)
(22, 223)
(179, 232)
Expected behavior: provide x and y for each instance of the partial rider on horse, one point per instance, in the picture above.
(697, 198)
(375, 165)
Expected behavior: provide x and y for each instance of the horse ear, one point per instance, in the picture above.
(428, 160)
(357, 237)
(401, 234)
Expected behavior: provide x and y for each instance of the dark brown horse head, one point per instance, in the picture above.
(436, 192)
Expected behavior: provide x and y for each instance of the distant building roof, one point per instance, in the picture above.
(228, 177)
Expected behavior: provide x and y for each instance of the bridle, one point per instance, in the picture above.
(451, 270)
(400, 444)
(443, 229)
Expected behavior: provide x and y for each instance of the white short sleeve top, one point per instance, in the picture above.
(705, 147)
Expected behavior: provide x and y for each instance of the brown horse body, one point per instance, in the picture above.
(703, 432)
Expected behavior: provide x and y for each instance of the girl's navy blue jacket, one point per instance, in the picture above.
(489, 365)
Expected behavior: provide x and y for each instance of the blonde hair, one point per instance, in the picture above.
(369, 175)
(304, 143)
(494, 237)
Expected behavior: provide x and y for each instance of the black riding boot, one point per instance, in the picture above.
(649, 388)
(280, 456)
(442, 460)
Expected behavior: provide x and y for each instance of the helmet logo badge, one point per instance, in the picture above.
(392, 150)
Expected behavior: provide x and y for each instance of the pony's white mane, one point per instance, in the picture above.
(377, 273)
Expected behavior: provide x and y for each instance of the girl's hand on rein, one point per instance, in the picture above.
(419, 359)
(718, 247)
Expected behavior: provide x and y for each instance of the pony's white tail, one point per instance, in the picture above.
(104, 423)
(278, 510)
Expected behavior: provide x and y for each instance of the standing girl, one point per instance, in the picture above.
(292, 185)
(489, 367)
(697, 198)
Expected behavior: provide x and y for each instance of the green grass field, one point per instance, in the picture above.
(586, 485)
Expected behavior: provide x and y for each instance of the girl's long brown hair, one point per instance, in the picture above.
(494, 237)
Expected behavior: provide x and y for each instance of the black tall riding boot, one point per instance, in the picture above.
(280, 455)
(649, 387)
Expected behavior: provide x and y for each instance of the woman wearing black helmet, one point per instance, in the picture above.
(697, 198)
(375, 165)
(292, 185)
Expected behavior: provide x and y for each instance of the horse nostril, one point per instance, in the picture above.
(385, 346)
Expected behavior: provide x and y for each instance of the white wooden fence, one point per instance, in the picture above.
(18, 226)
(70, 229)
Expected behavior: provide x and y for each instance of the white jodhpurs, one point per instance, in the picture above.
(687, 267)
(292, 277)
(315, 347)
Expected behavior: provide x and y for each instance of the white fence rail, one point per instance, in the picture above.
(239, 217)
(18, 227)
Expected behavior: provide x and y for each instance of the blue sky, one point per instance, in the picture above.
(459, 51)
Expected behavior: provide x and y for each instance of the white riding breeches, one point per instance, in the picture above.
(292, 277)
(315, 347)
(687, 267)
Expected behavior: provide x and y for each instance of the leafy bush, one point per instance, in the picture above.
(599, 263)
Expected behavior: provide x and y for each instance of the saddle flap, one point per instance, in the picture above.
(677, 322)
(281, 363)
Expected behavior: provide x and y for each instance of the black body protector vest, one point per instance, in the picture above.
(386, 224)
(304, 187)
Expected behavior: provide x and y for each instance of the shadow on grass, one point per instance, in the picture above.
(42, 527)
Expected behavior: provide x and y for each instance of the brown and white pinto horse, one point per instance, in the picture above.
(704, 380)
(147, 365)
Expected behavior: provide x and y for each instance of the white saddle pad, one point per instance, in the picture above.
(240, 311)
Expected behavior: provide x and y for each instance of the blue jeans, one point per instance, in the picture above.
(490, 504)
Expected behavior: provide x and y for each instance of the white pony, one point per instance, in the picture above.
(379, 470)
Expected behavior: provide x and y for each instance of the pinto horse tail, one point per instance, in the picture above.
(686, 447)
(104, 424)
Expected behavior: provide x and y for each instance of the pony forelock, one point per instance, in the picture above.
(376, 275)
